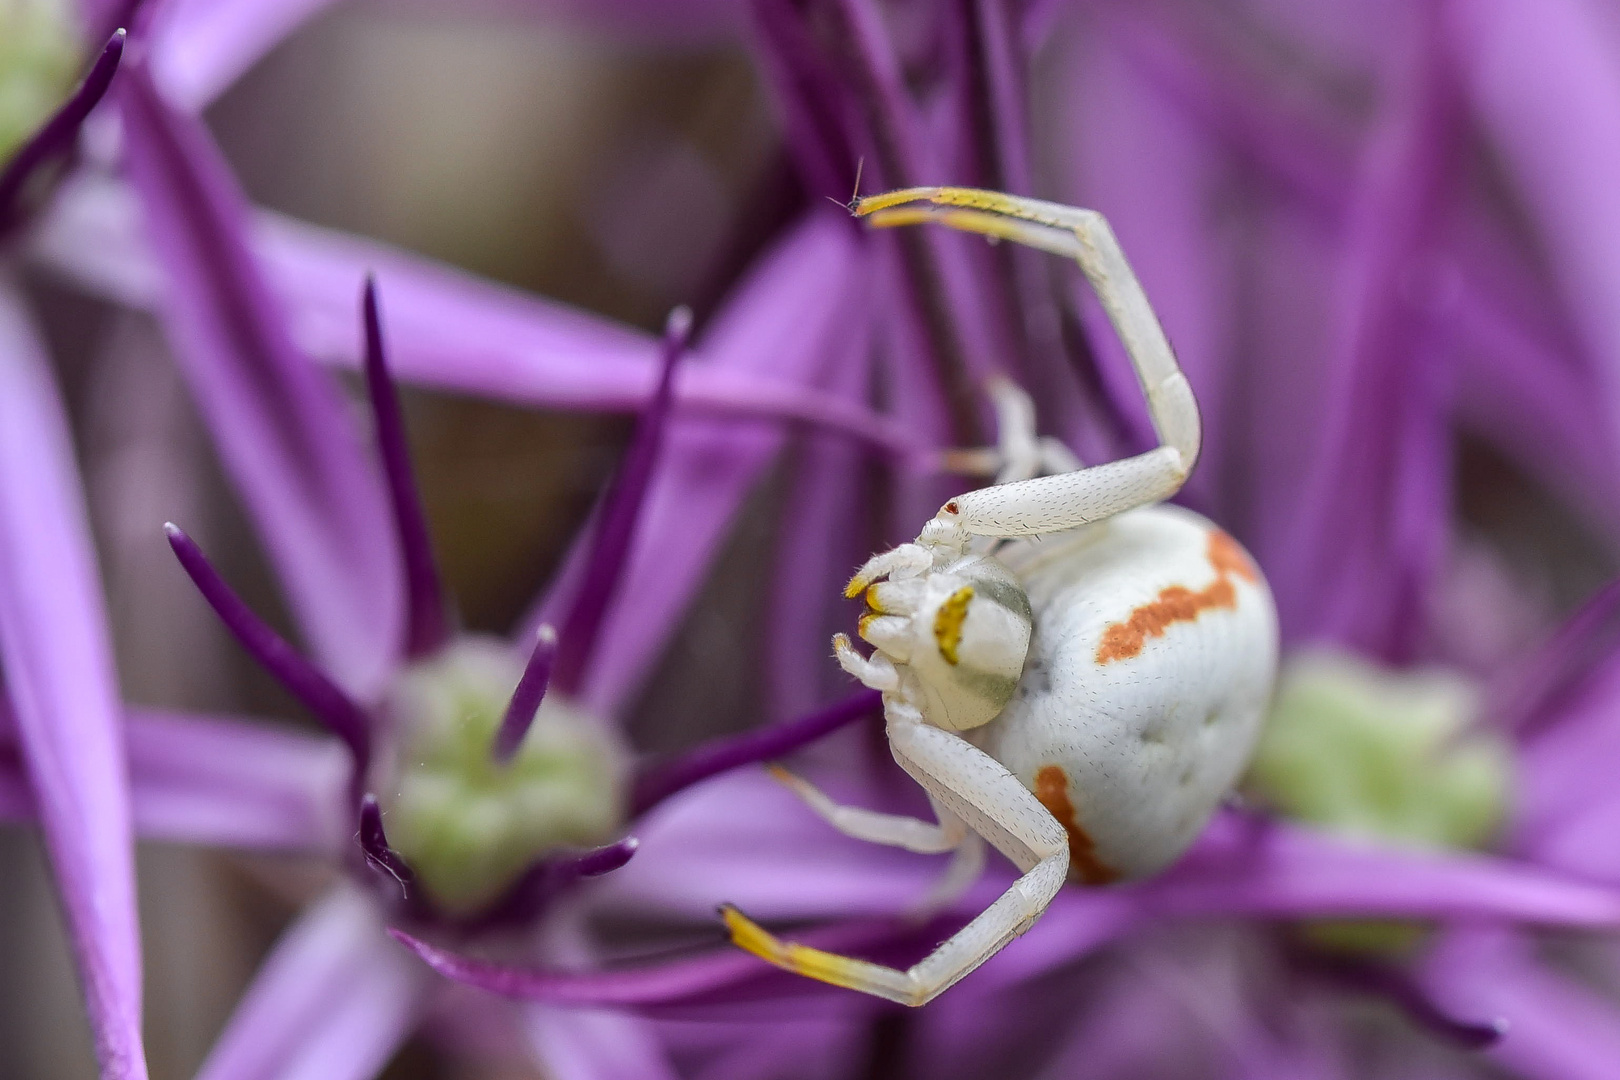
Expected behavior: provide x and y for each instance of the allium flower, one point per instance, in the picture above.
(1344, 285)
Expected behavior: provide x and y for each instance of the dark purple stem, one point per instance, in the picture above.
(426, 628)
(531, 690)
(56, 138)
(374, 842)
(303, 680)
(659, 782)
(547, 878)
(616, 524)
(1367, 975)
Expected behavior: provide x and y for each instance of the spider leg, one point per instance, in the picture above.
(893, 830)
(978, 789)
(965, 867)
(1051, 503)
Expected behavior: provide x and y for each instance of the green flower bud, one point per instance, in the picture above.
(1380, 753)
(468, 825)
(1385, 754)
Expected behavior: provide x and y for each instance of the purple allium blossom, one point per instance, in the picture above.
(1392, 298)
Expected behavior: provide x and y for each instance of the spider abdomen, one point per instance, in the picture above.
(1148, 676)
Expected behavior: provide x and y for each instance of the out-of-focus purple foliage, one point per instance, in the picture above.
(1304, 192)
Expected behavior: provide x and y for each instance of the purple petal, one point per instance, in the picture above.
(200, 47)
(1550, 679)
(1543, 78)
(531, 690)
(1156, 185)
(374, 842)
(1371, 527)
(56, 138)
(595, 1044)
(280, 425)
(60, 679)
(1241, 866)
(303, 680)
(333, 1001)
(238, 784)
(654, 785)
(451, 331)
(426, 627)
(1557, 1028)
(615, 525)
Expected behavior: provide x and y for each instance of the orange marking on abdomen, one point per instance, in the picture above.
(1177, 603)
(1052, 789)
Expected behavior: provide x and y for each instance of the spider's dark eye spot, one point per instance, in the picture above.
(952, 508)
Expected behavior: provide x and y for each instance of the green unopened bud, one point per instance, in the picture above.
(469, 825)
(1382, 753)
(39, 57)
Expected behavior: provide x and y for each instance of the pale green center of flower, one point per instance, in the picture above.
(39, 57)
(1382, 753)
(468, 825)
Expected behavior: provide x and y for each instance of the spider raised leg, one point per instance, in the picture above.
(1114, 676)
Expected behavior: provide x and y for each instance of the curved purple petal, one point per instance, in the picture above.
(279, 423)
(450, 330)
(303, 679)
(334, 1000)
(59, 677)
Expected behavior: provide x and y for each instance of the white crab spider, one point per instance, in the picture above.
(1082, 702)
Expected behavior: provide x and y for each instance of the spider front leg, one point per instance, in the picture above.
(978, 789)
(1051, 503)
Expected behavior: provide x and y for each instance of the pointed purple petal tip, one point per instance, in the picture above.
(302, 679)
(526, 699)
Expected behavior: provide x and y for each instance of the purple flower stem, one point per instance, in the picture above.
(719, 975)
(374, 842)
(303, 680)
(56, 138)
(1366, 975)
(426, 628)
(531, 690)
(544, 881)
(616, 524)
(657, 783)
(890, 115)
